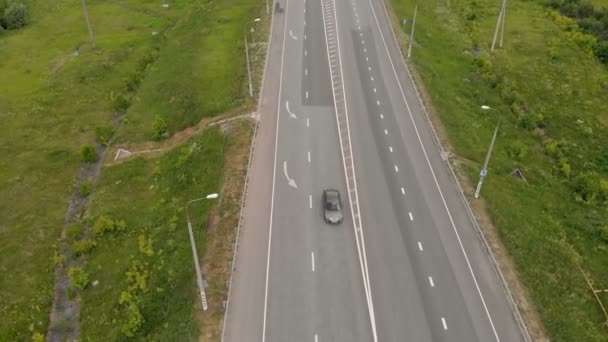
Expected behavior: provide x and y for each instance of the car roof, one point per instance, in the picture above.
(332, 194)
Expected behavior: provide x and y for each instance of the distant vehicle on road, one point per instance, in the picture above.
(332, 206)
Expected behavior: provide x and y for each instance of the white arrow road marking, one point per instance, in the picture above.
(291, 114)
(289, 180)
(292, 36)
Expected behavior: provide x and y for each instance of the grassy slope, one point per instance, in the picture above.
(544, 227)
(150, 195)
(201, 72)
(50, 102)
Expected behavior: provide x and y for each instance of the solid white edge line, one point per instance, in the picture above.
(274, 173)
(435, 177)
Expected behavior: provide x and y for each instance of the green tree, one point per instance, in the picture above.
(15, 15)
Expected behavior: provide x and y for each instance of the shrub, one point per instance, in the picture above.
(15, 15)
(160, 127)
(85, 188)
(78, 278)
(121, 103)
(565, 168)
(104, 134)
(591, 188)
(83, 246)
(132, 81)
(59, 259)
(104, 224)
(604, 233)
(37, 337)
(133, 322)
(517, 150)
(88, 153)
(73, 232)
(601, 51)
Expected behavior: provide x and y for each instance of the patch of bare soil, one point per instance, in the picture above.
(222, 228)
(525, 305)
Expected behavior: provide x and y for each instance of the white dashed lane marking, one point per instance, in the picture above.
(396, 168)
(312, 260)
(381, 116)
(403, 191)
(445, 326)
(310, 201)
(390, 148)
(411, 217)
(431, 282)
(308, 156)
(420, 246)
(385, 132)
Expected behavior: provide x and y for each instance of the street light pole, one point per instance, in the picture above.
(197, 267)
(409, 49)
(484, 170)
(247, 57)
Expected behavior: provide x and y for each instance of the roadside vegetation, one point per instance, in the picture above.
(141, 265)
(154, 69)
(549, 89)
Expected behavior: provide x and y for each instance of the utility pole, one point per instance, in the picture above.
(90, 28)
(409, 49)
(199, 277)
(502, 28)
(500, 25)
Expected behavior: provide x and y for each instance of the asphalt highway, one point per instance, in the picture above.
(411, 265)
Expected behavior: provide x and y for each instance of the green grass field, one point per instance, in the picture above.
(551, 97)
(201, 73)
(149, 195)
(52, 99)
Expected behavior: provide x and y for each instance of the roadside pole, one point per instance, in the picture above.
(499, 24)
(89, 27)
(409, 49)
(248, 66)
(484, 170)
(199, 277)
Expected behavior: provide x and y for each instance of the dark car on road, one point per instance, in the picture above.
(332, 206)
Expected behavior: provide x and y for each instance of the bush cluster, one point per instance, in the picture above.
(13, 14)
(591, 20)
(104, 224)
